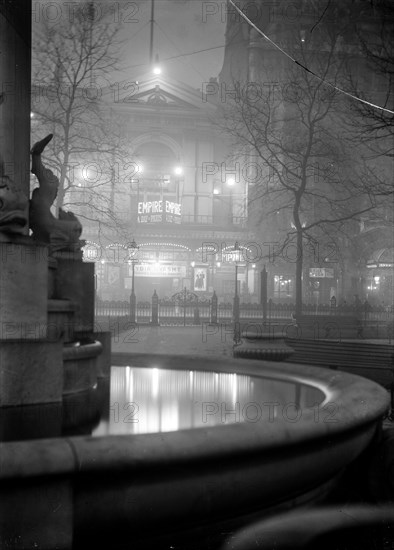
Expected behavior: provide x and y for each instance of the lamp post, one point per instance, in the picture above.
(132, 250)
(231, 183)
(178, 171)
(236, 296)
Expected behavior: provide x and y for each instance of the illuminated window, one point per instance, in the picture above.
(283, 286)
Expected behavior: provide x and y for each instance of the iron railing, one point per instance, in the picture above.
(177, 309)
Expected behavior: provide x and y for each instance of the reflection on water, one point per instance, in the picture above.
(147, 400)
(157, 400)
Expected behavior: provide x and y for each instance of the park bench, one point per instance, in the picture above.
(373, 360)
(329, 326)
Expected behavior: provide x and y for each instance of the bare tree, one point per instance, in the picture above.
(375, 34)
(71, 64)
(371, 79)
(315, 183)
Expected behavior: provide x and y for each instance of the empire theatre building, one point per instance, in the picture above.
(183, 210)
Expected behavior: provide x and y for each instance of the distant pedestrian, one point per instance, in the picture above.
(357, 303)
(344, 306)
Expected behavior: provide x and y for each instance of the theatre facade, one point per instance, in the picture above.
(178, 199)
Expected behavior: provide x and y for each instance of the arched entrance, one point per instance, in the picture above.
(379, 277)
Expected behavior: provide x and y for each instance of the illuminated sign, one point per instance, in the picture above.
(158, 270)
(233, 256)
(159, 212)
(321, 272)
(369, 266)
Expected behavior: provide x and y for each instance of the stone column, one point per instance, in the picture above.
(15, 78)
(155, 309)
(214, 309)
(30, 364)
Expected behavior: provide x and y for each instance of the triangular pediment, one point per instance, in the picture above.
(162, 93)
(158, 97)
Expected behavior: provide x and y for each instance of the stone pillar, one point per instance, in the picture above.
(30, 362)
(196, 315)
(214, 309)
(15, 76)
(23, 288)
(155, 309)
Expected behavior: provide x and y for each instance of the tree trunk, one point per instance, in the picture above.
(298, 277)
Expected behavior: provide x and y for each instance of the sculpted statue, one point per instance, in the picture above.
(61, 233)
(13, 205)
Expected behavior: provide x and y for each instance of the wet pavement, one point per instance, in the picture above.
(203, 340)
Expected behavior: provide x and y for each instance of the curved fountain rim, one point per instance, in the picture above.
(331, 383)
(129, 452)
(251, 367)
(274, 374)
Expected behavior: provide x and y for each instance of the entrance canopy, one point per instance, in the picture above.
(382, 258)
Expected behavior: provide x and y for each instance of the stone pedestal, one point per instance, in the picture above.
(31, 422)
(271, 347)
(52, 269)
(61, 321)
(23, 288)
(75, 282)
(30, 372)
(30, 365)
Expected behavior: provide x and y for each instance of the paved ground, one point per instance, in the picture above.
(204, 340)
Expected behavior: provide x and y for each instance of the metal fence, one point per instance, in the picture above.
(176, 311)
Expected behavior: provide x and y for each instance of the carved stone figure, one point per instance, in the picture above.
(13, 205)
(62, 233)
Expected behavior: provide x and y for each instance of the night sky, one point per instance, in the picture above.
(181, 27)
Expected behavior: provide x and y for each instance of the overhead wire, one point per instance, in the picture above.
(170, 58)
(176, 47)
(326, 82)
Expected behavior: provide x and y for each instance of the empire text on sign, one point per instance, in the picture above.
(159, 211)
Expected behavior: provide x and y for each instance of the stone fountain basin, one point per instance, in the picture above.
(58, 491)
(269, 346)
